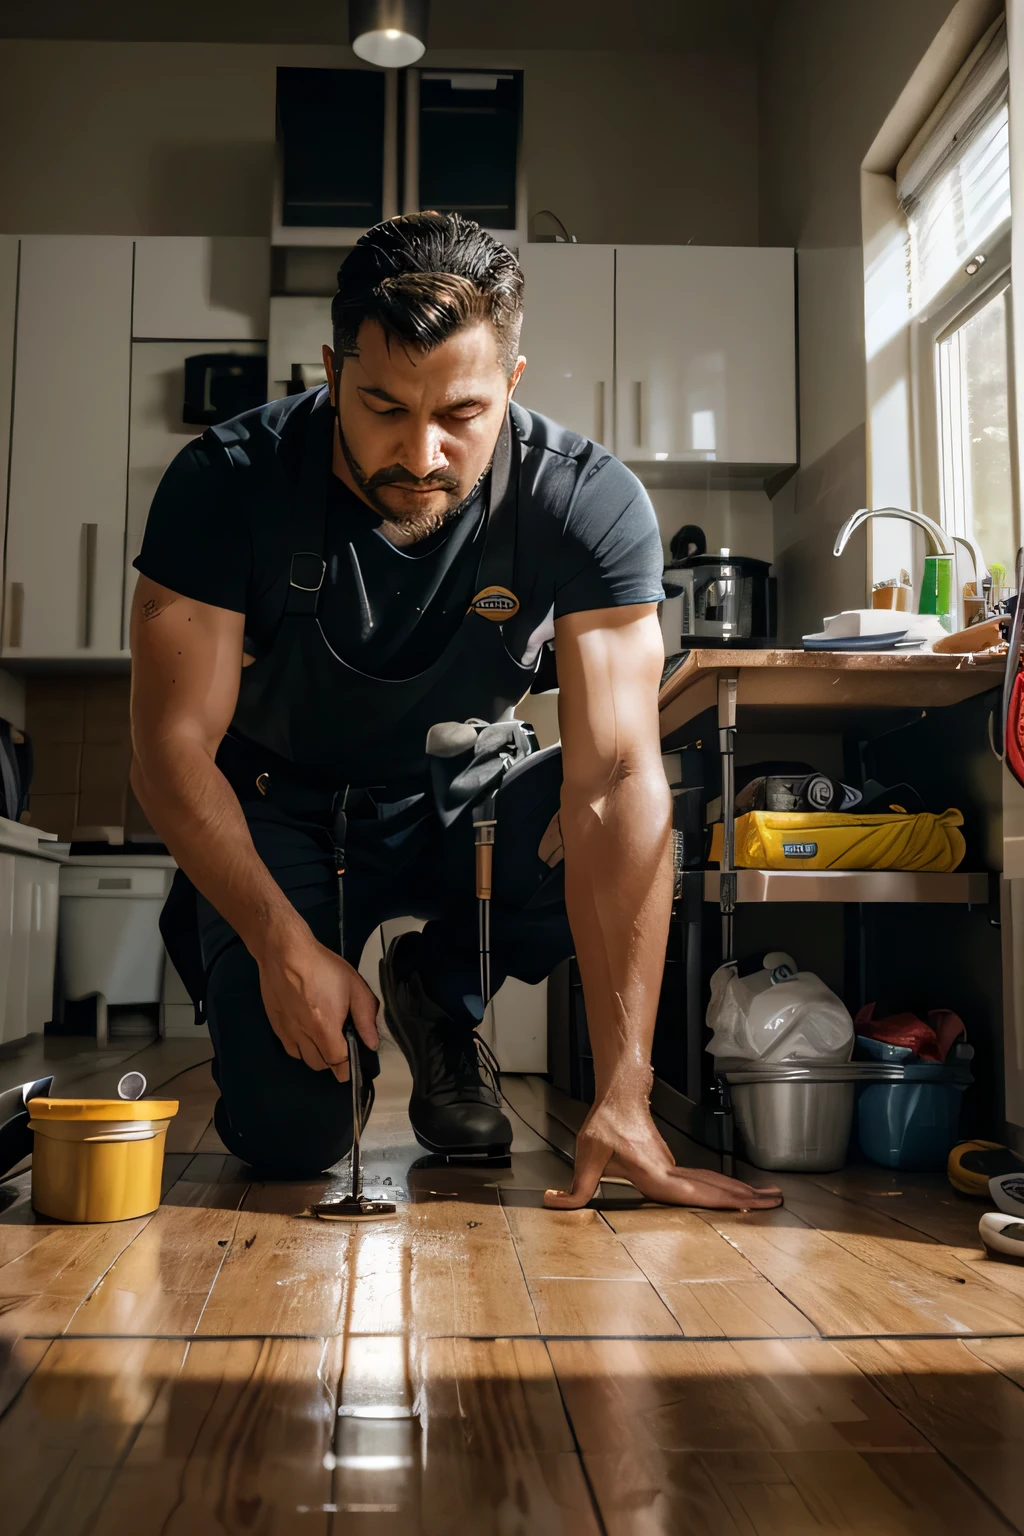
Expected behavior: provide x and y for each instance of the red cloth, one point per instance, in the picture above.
(932, 1041)
(1015, 730)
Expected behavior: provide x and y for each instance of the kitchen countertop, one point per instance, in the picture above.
(818, 688)
(16, 837)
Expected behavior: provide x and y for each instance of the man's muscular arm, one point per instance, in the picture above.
(616, 832)
(186, 665)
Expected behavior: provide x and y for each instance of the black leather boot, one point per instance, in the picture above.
(455, 1109)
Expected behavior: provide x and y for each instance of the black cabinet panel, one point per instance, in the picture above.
(331, 131)
(469, 145)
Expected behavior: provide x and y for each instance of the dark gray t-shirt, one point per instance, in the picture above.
(214, 534)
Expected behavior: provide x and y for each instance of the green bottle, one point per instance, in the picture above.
(937, 589)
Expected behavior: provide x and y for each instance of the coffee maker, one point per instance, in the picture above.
(719, 601)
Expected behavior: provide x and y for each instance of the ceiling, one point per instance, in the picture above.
(646, 25)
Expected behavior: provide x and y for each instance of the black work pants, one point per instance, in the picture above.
(400, 861)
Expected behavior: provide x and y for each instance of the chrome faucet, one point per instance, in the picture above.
(942, 543)
(980, 568)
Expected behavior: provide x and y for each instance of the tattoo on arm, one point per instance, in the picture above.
(154, 606)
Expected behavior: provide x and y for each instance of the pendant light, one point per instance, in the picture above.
(389, 33)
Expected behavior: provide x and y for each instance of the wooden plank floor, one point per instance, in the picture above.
(850, 1363)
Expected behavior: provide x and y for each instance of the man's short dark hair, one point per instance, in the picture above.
(424, 276)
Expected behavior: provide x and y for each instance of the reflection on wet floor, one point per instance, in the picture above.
(233, 1364)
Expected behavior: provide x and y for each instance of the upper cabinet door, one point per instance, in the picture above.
(706, 354)
(201, 288)
(69, 448)
(568, 335)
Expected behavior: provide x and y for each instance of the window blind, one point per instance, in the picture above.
(956, 190)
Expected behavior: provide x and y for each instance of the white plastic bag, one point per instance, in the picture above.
(777, 1014)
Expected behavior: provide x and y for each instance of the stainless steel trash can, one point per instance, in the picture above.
(796, 1117)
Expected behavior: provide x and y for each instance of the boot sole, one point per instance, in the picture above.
(1004, 1258)
(475, 1153)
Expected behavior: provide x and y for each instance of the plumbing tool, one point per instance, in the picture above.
(468, 763)
(355, 1206)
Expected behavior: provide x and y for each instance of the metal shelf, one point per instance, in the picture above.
(861, 885)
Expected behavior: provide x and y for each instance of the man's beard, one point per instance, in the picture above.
(411, 526)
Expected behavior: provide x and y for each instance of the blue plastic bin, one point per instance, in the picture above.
(913, 1122)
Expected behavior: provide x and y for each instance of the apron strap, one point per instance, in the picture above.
(310, 502)
(309, 511)
(498, 559)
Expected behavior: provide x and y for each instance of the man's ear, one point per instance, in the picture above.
(332, 382)
(517, 373)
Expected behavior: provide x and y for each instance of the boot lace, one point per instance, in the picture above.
(467, 1061)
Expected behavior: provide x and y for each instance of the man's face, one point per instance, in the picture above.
(418, 429)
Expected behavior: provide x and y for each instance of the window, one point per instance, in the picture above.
(954, 189)
(974, 431)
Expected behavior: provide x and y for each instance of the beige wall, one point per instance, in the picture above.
(12, 699)
(176, 138)
(831, 74)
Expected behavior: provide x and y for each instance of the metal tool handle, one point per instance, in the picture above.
(727, 746)
(355, 1078)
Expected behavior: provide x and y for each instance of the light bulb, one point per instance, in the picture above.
(389, 33)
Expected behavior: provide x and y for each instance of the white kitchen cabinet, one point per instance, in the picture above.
(201, 288)
(157, 433)
(569, 335)
(517, 1026)
(705, 354)
(69, 448)
(28, 941)
(299, 330)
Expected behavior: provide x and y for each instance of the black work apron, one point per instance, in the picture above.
(332, 729)
(304, 703)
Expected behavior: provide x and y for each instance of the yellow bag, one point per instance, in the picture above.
(823, 840)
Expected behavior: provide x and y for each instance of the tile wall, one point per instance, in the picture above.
(80, 733)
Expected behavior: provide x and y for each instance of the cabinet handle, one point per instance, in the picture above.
(599, 411)
(16, 620)
(89, 533)
(638, 413)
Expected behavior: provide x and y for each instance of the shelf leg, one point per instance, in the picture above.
(727, 747)
(693, 904)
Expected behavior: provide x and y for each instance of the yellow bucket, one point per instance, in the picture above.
(98, 1159)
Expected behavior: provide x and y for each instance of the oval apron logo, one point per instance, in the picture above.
(496, 603)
